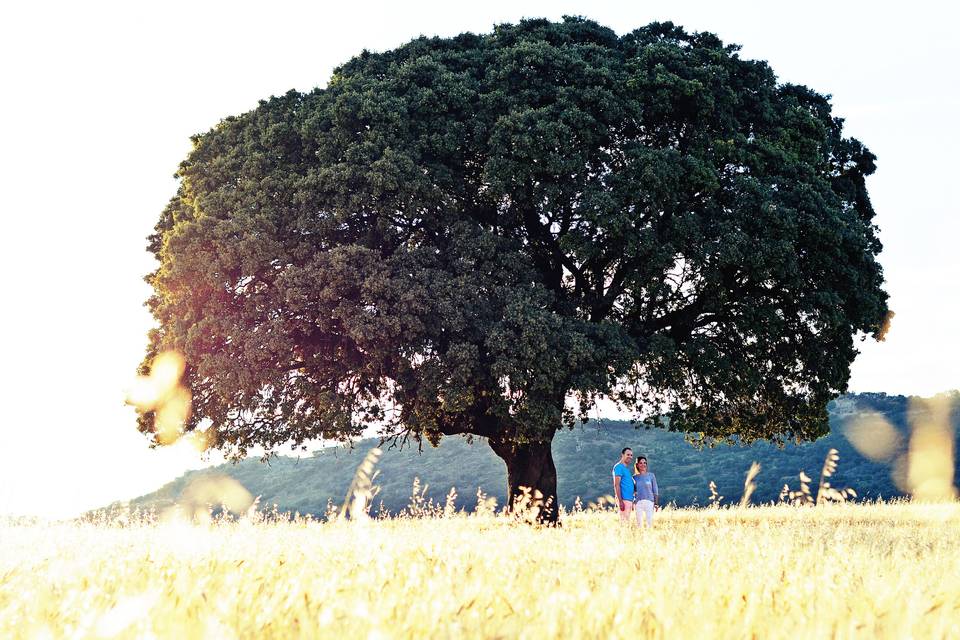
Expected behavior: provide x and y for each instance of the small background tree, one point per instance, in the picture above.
(485, 234)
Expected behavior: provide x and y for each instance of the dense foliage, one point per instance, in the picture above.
(454, 236)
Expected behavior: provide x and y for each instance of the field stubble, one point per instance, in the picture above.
(836, 570)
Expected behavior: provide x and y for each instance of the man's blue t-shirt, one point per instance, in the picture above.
(626, 481)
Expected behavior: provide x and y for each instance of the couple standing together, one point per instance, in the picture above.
(635, 490)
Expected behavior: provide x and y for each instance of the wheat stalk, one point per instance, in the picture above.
(361, 489)
(748, 485)
(829, 467)
(715, 497)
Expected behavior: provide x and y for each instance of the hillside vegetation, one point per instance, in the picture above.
(584, 458)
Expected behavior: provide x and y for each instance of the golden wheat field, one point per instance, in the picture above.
(831, 571)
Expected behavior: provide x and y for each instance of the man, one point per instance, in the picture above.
(623, 484)
(647, 493)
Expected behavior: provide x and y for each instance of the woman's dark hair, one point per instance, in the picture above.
(636, 463)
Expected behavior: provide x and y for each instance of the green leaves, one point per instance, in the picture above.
(455, 235)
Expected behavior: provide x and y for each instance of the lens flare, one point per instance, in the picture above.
(201, 440)
(171, 416)
(929, 473)
(207, 493)
(148, 392)
(162, 393)
(167, 369)
(143, 393)
(873, 436)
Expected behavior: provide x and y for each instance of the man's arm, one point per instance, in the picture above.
(616, 490)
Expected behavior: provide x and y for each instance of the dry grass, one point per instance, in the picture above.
(837, 570)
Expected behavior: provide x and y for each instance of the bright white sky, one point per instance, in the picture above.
(99, 101)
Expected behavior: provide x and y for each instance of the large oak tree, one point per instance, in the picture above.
(485, 234)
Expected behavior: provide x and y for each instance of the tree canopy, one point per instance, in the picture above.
(457, 235)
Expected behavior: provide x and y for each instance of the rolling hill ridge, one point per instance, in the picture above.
(584, 457)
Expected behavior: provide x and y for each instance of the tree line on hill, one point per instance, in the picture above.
(584, 456)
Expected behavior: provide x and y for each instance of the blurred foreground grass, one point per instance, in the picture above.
(846, 570)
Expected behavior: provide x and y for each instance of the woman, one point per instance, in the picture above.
(647, 494)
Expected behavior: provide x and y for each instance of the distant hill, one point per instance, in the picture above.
(584, 457)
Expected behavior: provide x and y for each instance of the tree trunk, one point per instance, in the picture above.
(530, 465)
